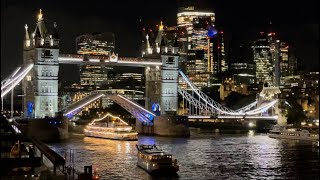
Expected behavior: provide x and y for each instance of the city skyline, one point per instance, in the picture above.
(298, 29)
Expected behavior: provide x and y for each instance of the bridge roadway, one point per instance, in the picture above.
(107, 60)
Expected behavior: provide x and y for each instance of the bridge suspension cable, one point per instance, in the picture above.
(8, 80)
(218, 107)
(247, 107)
(262, 108)
(194, 101)
(18, 75)
(215, 106)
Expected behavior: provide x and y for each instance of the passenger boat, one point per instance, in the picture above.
(110, 127)
(286, 132)
(156, 161)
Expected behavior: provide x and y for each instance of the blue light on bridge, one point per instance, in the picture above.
(149, 116)
(30, 106)
(156, 108)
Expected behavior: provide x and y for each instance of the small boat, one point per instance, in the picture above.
(156, 161)
(110, 127)
(286, 132)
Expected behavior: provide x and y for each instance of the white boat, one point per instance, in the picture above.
(110, 127)
(156, 161)
(286, 132)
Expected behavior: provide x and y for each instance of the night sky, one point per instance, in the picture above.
(294, 22)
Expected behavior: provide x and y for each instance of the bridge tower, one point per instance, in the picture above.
(40, 87)
(169, 78)
(162, 82)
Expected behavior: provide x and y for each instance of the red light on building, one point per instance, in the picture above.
(221, 32)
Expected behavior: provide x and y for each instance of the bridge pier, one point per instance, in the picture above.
(63, 128)
(143, 128)
(171, 125)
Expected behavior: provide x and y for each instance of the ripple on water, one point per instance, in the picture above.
(202, 156)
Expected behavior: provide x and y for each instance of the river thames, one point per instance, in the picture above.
(205, 155)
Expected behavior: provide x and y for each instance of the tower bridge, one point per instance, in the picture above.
(39, 76)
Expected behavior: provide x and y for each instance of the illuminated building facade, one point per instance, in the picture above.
(274, 51)
(261, 57)
(284, 62)
(93, 76)
(201, 44)
(40, 86)
(272, 60)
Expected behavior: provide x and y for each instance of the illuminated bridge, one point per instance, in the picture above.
(113, 60)
(199, 105)
(133, 108)
(40, 79)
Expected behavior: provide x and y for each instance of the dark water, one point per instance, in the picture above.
(202, 156)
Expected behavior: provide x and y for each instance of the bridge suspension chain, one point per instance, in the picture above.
(247, 107)
(207, 99)
(195, 102)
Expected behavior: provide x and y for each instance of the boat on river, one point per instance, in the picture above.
(287, 132)
(156, 161)
(110, 127)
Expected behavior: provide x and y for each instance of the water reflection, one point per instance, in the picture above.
(203, 156)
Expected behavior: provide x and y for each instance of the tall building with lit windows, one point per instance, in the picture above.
(199, 48)
(202, 44)
(283, 61)
(271, 56)
(261, 56)
(103, 44)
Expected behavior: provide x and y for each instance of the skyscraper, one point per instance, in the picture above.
(200, 62)
(261, 56)
(271, 56)
(274, 51)
(93, 76)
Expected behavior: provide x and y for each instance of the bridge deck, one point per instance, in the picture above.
(82, 103)
(107, 60)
